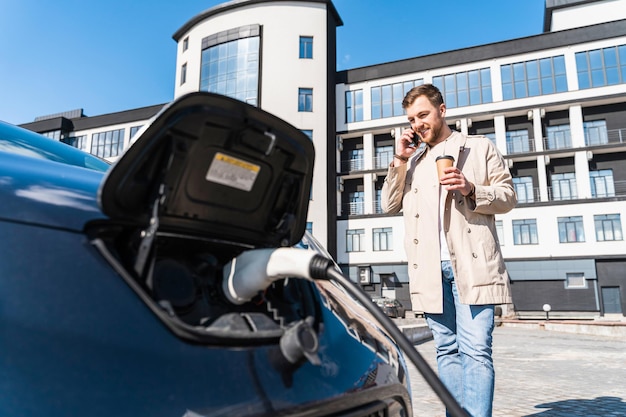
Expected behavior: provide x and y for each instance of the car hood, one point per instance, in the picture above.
(211, 166)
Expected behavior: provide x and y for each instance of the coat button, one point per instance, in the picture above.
(474, 255)
(415, 241)
(414, 266)
(469, 230)
(414, 190)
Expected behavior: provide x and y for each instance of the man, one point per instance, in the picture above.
(456, 270)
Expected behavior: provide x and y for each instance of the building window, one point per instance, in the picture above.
(559, 137)
(185, 43)
(465, 88)
(524, 189)
(356, 160)
(107, 144)
(134, 130)
(377, 203)
(525, 232)
(571, 229)
(534, 78)
(595, 133)
(183, 74)
(53, 134)
(306, 47)
(575, 280)
(230, 64)
(608, 227)
(517, 141)
(500, 232)
(387, 99)
(309, 227)
(564, 186)
(357, 202)
(602, 184)
(600, 67)
(305, 99)
(383, 239)
(308, 132)
(354, 106)
(354, 240)
(79, 142)
(384, 156)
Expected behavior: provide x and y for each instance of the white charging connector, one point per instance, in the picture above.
(255, 270)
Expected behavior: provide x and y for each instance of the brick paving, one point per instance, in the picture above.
(543, 373)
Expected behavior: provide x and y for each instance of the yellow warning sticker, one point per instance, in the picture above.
(232, 172)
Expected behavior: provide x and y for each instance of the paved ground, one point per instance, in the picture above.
(545, 374)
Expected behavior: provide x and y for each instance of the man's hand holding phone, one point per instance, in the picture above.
(406, 145)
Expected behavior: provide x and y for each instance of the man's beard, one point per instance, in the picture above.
(435, 132)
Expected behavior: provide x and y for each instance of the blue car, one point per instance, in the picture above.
(170, 283)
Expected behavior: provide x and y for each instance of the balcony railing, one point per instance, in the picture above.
(377, 207)
(351, 165)
(618, 186)
(380, 161)
(553, 143)
(513, 146)
(608, 137)
(518, 145)
(354, 208)
(383, 160)
(614, 136)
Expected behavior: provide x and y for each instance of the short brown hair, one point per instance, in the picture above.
(431, 92)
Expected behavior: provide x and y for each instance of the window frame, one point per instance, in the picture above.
(533, 78)
(386, 100)
(524, 187)
(571, 224)
(602, 222)
(465, 88)
(306, 47)
(305, 100)
(354, 106)
(561, 181)
(382, 239)
(355, 236)
(522, 228)
(108, 144)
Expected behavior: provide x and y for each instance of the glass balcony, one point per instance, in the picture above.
(353, 208)
(519, 145)
(598, 137)
(383, 160)
(351, 165)
(552, 143)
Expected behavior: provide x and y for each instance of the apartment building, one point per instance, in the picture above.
(554, 104)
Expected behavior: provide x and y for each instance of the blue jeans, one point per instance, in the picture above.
(463, 338)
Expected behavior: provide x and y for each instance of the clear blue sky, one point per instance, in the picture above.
(106, 56)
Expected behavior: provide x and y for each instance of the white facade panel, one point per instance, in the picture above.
(588, 14)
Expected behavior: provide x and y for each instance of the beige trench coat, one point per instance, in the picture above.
(469, 223)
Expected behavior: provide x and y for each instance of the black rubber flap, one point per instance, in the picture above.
(215, 167)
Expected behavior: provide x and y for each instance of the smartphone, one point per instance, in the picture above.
(415, 139)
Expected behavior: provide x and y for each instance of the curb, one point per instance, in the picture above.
(587, 327)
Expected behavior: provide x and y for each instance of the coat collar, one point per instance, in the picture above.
(455, 146)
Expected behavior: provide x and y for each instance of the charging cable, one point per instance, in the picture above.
(254, 270)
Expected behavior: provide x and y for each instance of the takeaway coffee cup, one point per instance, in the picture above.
(443, 162)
